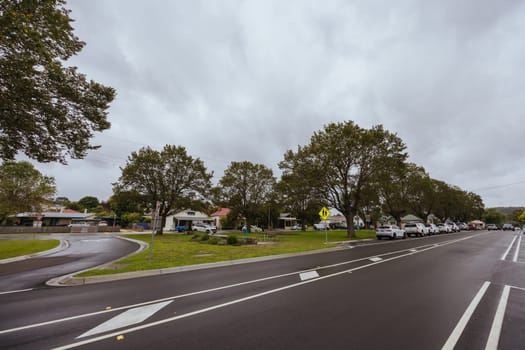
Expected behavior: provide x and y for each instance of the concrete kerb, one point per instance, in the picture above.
(64, 244)
(69, 280)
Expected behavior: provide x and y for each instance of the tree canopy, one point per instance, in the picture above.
(245, 187)
(170, 176)
(344, 160)
(48, 111)
(23, 188)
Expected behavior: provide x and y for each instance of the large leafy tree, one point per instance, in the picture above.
(23, 188)
(122, 202)
(246, 187)
(347, 160)
(47, 110)
(299, 186)
(169, 176)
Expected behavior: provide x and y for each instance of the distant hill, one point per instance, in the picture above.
(508, 210)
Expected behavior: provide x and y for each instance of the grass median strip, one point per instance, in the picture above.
(172, 250)
(14, 248)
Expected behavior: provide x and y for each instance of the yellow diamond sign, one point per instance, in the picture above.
(324, 213)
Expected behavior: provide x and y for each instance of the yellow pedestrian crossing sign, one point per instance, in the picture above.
(324, 213)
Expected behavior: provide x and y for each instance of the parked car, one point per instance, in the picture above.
(416, 229)
(463, 226)
(432, 229)
(507, 227)
(390, 231)
(321, 226)
(444, 228)
(254, 228)
(492, 227)
(339, 226)
(296, 228)
(204, 228)
(180, 228)
(453, 226)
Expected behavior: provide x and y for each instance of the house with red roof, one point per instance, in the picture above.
(221, 213)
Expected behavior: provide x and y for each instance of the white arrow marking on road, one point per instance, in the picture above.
(375, 259)
(126, 318)
(308, 275)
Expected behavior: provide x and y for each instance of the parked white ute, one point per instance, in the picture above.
(416, 229)
(390, 231)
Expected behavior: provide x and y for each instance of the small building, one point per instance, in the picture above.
(220, 214)
(410, 218)
(186, 218)
(65, 218)
(287, 221)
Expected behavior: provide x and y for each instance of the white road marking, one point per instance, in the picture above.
(308, 275)
(413, 250)
(508, 249)
(127, 318)
(16, 291)
(458, 330)
(180, 296)
(219, 306)
(515, 259)
(497, 324)
(375, 259)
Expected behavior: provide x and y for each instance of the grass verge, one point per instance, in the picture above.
(171, 250)
(13, 248)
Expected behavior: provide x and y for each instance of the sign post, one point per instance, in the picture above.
(324, 214)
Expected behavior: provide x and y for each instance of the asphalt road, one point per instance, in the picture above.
(83, 251)
(462, 291)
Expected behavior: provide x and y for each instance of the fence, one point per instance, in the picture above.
(56, 229)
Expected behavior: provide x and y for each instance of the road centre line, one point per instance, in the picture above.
(515, 259)
(237, 301)
(504, 256)
(460, 326)
(497, 324)
(180, 296)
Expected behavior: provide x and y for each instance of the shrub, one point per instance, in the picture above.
(232, 240)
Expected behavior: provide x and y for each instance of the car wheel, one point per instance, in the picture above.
(394, 236)
(404, 235)
(379, 238)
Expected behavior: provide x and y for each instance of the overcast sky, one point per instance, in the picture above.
(248, 80)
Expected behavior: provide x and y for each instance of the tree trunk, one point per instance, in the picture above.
(350, 226)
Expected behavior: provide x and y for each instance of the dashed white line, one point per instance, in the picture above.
(497, 324)
(458, 330)
(515, 259)
(16, 329)
(375, 259)
(508, 249)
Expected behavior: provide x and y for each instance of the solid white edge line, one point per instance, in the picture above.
(217, 289)
(504, 256)
(232, 302)
(16, 291)
(516, 253)
(460, 327)
(497, 324)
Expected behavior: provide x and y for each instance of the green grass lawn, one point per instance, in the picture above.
(12, 248)
(173, 250)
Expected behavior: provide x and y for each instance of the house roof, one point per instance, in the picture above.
(191, 215)
(74, 215)
(222, 212)
(411, 218)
